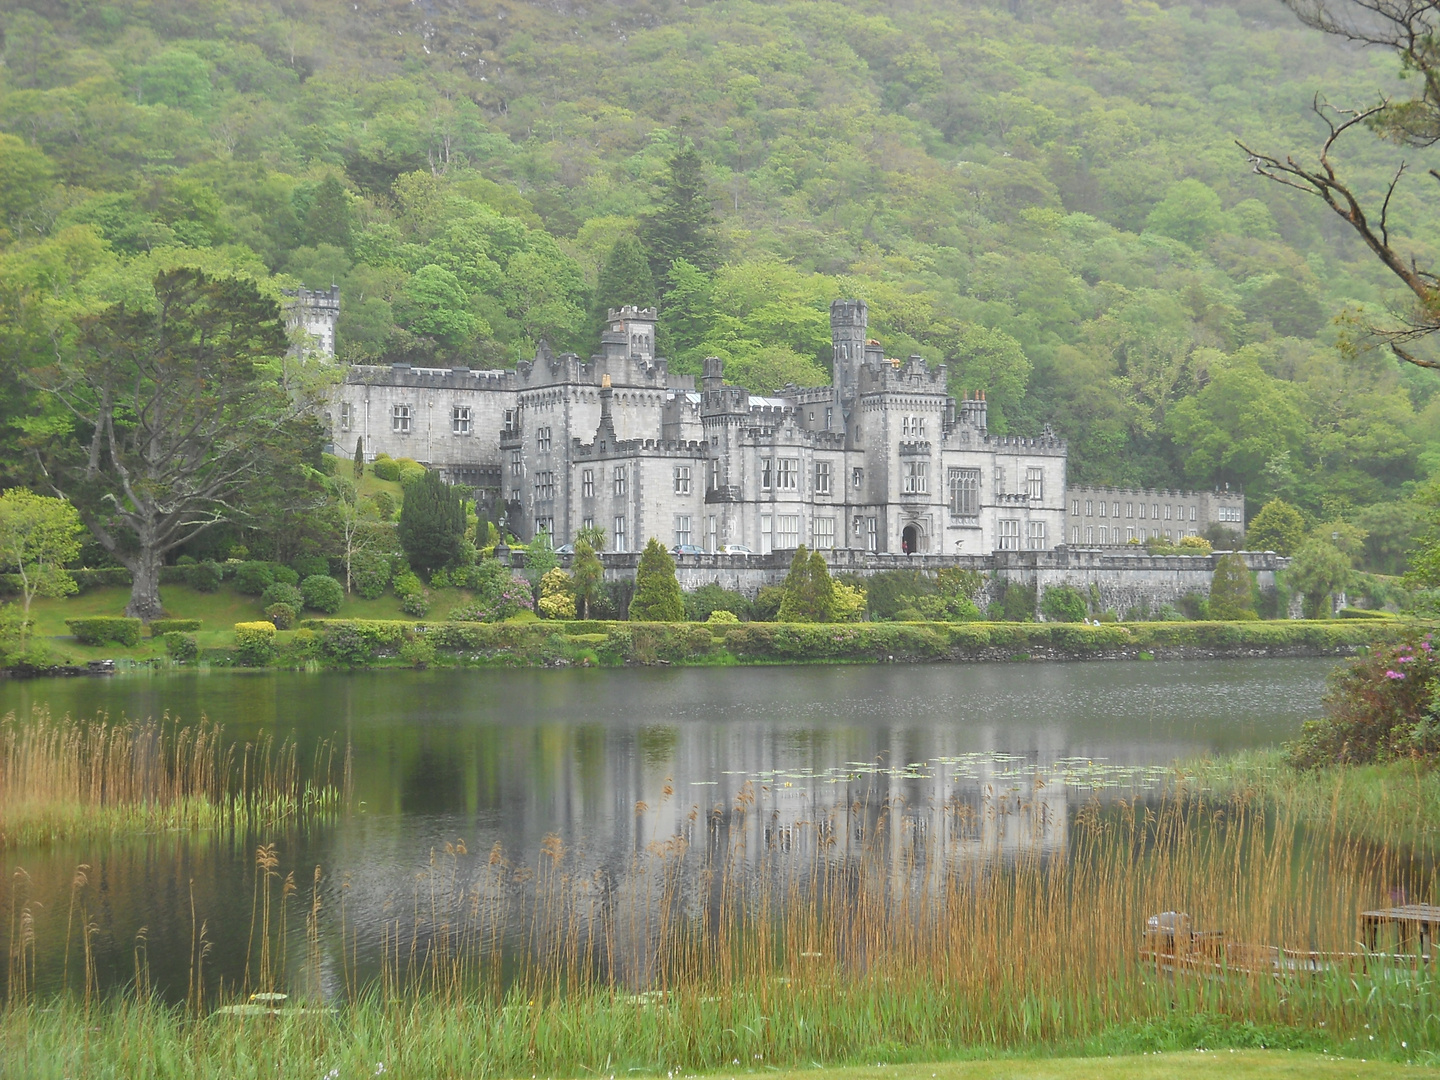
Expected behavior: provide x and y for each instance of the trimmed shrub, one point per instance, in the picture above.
(409, 471)
(181, 646)
(161, 627)
(284, 575)
(651, 643)
(282, 615)
(721, 617)
(369, 574)
(281, 593)
(254, 643)
(385, 468)
(310, 565)
(253, 578)
(1064, 604)
(206, 576)
(657, 592)
(103, 629)
(1363, 613)
(322, 593)
(354, 641)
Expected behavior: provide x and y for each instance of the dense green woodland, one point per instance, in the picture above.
(1046, 197)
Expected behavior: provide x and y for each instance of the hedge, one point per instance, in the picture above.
(160, 627)
(100, 629)
(255, 643)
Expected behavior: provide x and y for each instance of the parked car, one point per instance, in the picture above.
(687, 549)
(565, 549)
(736, 549)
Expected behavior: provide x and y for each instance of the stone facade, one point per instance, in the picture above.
(881, 460)
(1110, 517)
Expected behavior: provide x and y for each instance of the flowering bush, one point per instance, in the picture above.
(507, 600)
(1381, 706)
(557, 595)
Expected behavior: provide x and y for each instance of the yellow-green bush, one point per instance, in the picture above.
(255, 643)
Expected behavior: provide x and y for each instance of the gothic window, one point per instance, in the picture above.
(714, 473)
(460, 420)
(1129, 510)
(1009, 534)
(1116, 509)
(766, 479)
(1167, 512)
(1035, 536)
(714, 535)
(1089, 508)
(1075, 534)
(620, 480)
(915, 478)
(1155, 511)
(788, 474)
(1142, 511)
(1103, 507)
(1089, 534)
(1074, 507)
(682, 482)
(822, 478)
(617, 533)
(787, 531)
(587, 484)
(824, 533)
(1035, 484)
(400, 419)
(965, 493)
(857, 478)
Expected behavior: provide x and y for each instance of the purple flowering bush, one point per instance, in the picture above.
(1382, 706)
(497, 603)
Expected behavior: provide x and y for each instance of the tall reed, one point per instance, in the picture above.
(85, 779)
(883, 932)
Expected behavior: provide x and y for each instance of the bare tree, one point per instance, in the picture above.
(1411, 29)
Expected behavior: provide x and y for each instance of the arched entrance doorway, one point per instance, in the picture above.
(910, 540)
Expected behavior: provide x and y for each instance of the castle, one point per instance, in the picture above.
(882, 460)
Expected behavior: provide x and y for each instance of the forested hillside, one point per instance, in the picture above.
(1047, 197)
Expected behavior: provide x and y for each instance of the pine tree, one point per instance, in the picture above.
(432, 523)
(1231, 597)
(625, 277)
(329, 218)
(657, 592)
(822, 589)
(359, 467)
(684, 225)
(587, 577)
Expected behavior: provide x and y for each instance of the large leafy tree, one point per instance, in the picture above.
(38, 536)
(176, 418)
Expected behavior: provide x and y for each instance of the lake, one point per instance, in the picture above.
(609, 763)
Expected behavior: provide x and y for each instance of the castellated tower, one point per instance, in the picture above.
(848, 325)
(310, 316)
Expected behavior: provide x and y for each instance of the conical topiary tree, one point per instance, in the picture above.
(809, 592)
(1231, 595)
(657, 592)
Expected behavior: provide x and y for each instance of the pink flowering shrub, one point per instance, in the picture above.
(1381, 706)
(505, 598)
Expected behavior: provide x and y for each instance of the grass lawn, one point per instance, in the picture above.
(1184, 1065)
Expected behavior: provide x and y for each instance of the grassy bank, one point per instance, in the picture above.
(139, 1042)
(1398, 802)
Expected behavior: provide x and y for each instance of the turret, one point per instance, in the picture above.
(848, 322)
(630, 332)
